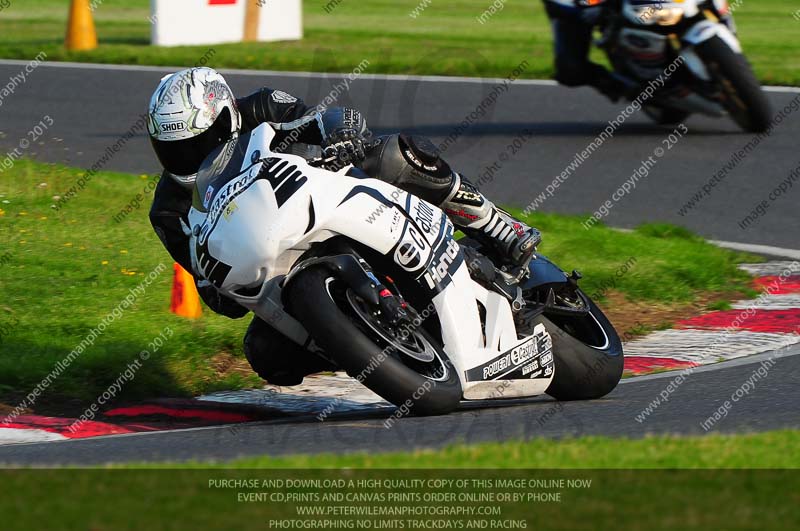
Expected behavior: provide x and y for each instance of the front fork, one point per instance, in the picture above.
(699, 33)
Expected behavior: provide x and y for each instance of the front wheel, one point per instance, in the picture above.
(743, 96)
(404, 365)
(587, 352)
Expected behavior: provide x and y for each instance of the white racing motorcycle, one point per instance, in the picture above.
(644, 37)
(371, 278)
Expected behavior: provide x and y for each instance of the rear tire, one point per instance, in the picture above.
(311, 301)
(744, 98)
(587, 353)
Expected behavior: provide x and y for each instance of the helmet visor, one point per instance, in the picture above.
(183, 157)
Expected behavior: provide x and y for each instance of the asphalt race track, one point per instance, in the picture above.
(92, 107)
(771, 406)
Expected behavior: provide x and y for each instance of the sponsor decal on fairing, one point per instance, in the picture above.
(531, 359)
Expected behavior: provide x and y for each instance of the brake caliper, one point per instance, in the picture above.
(393, 307)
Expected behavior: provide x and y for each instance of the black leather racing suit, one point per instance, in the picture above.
(409, 162)
(572, 22)
(172, 201)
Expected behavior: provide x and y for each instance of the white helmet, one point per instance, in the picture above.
(191, 112)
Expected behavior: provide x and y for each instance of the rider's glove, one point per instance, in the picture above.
(344, 147)
(344, 133)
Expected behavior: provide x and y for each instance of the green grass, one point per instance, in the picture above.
(666, 263)
(719, 306)
(715, 482)
(778, 449)
(445, 39)
(69, 269)
(62, 272)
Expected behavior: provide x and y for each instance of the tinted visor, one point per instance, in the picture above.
(183, 157)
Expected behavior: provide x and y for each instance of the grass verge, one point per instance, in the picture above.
(776, 449)
(62, 272)
(653, 483)
(446, 38)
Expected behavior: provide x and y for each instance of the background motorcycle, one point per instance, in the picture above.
(371, 278)
(642, 38)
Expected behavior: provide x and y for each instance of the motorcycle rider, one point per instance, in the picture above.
(573, 22)
(194, 111)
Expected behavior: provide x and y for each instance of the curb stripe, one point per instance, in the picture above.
(772, 302)
(21, 436)
(706, 346)
(640, 364)
(61, 426)
(38, 428)
(775, 267)
(778, 286)
(771, 322)
(183, 413)
(764, 321)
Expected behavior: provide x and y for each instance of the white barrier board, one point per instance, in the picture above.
(192, 22)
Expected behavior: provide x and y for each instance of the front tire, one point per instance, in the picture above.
(744, 98)
(587, 353)
(317, 299)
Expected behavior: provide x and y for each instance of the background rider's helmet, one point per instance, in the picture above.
(191, 112)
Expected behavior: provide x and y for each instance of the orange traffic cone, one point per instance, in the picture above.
(81, 34)
(185, 300)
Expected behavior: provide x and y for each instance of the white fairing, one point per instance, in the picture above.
(259, 222)
(706, 29)
(694, 63)
(643, 49)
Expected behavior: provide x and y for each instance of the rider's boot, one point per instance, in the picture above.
(279, 360)
(610, 84)
(479, 218)
(415, 165)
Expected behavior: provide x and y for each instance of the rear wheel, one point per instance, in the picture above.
(743, 97)
(405, 365)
